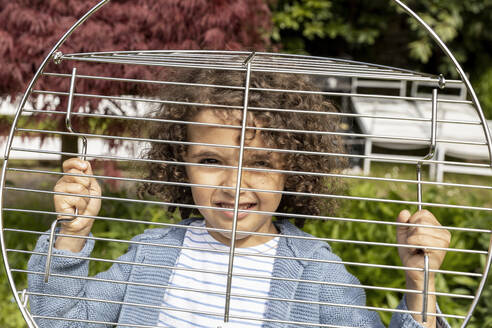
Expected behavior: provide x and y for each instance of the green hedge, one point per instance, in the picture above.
(10, 316)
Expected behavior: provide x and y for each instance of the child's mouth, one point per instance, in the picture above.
(242, 206)
(230, 213)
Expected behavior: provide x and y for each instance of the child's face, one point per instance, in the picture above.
(217, 197)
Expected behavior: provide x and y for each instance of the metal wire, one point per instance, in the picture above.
(350, 115)
(346, 176)
(380, 158)
(379, 266)
(382, 200)
(432, 121)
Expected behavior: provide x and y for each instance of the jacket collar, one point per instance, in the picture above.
(166, 257)
(280, 289)
(289, 270)
(301, 244)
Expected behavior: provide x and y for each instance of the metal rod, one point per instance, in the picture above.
(382, 200)
(343, 134)
(102, 136)
(279, 56)
(419, 186)
(328, 66)
(8, 146)
(144, 100)
(388, 159)
(247, 63)
(481, 286)
(344, 176)
(278, 214)
(433, 140)
(372, 308)
(68, 123)
(430, 155)
(110, 137)
(348, 263)
(68, 119)
(50, 251)
(119, 79)
(140, 61)
(425, 295)
(432, 147)
(358, 243)
(24, 298)
(353, 95)
(315, 282)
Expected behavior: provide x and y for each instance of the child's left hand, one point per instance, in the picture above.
(421, 236)
(414, 257)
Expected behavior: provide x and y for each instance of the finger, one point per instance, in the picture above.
(80, 177)
(68, 205)
(427, 239)
(66, 201)
(427, 224)
(88, 169)
(94, 188)
(427, 216)
(75, 163)
(401, 231)
(404, 216)
(94, 204)
(72, 188)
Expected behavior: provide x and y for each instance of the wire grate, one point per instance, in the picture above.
(374, 114)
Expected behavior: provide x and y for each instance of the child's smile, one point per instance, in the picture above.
(224, 177)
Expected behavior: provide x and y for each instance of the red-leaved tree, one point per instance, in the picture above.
(30, 28)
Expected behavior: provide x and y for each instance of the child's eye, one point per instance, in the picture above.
(209, 161)
(262, 164)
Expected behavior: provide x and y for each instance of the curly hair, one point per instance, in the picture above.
(263, 109)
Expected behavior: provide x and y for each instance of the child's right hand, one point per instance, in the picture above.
(86, 185)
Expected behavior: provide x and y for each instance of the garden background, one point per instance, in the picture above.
(372, 31)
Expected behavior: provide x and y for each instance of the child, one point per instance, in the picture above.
(173, 266)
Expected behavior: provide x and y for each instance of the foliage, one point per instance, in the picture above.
(319, 19)
(376, 233)
(373, 31)
(29, 28)
(10, 317)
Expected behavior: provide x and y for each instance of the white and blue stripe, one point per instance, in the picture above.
(203, 260)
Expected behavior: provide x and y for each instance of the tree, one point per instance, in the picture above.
(379, 32)
(30, 28)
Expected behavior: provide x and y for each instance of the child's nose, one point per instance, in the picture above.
(230, 180)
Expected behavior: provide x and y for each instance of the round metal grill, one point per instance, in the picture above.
(395, 130)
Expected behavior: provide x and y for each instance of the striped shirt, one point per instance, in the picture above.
(208, 261)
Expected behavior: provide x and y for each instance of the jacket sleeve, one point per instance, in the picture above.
(348, 301)
(76, 297)
(405, 320)
(353, 314)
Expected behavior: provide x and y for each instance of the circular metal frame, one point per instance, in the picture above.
(136, 56)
